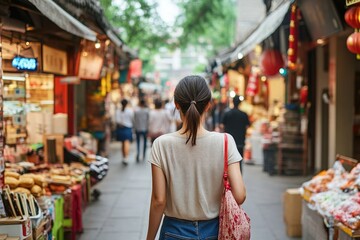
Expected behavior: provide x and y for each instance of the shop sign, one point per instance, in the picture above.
(70, 80)
(26, 64)
(54, 60)
(90, 66)
(352, 2)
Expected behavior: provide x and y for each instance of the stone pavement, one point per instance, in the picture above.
(122, 210)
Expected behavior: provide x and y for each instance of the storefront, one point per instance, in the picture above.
(35, 174)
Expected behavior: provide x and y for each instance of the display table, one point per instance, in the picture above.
(331, 202)
(346, 233)
(313, 226)
(68, 212)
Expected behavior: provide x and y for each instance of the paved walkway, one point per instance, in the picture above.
(122, 210)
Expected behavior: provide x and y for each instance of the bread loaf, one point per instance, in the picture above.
(40, 180)
(26, 182)
(12, 182)
(36, 190)
(22, 190)
(12, 174)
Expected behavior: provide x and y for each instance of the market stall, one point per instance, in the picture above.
(52, 185)
(331, 202)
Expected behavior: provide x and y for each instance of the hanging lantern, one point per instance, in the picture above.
(293, 38)
(353, 43)
(352, 17)
(271, 61)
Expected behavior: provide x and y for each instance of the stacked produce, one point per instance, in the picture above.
(335, 193)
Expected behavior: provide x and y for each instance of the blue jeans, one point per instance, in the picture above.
(178, 229)
(140, 134)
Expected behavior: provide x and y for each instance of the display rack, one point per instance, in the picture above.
(14, 100)
(291, 159)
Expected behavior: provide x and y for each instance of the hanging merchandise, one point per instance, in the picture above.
(251, 88)
(293, 38)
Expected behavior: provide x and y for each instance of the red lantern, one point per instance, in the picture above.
(353, 43)
(352, 16)
(271, 61)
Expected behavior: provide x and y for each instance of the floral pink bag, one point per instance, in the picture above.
(234, 223)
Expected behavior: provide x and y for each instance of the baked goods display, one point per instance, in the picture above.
(55, 179)
(35, 190)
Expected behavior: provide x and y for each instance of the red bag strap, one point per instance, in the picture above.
(225, 175)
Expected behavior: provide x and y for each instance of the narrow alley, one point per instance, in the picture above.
(122, 210)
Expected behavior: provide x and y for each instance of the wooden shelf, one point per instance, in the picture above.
(291, 155)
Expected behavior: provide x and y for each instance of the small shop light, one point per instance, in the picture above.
(232, 94)
(85, 54)
(320, 41)
(97, 45)
(240, 55)
(27, 43)
(241, 98)
(107, 42)
(283, 71)
(263, 78)
(14, 78)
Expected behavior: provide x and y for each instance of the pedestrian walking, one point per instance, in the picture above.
(187, 174)
(176, 120)
(235, 122)
(159, 121)
(141, 124)
(124, 121)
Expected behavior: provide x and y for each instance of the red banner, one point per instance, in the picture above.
(251, 88)
(61, 96)
(135, 68)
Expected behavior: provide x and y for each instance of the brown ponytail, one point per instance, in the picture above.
(192, 94)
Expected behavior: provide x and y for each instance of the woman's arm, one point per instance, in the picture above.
(158, 201)
(236, 182)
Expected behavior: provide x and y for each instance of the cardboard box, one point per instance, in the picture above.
(17, 227)
(39, 231)
(292, 207)
(293, 230)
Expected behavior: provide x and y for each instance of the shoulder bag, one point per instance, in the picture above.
(234, 223)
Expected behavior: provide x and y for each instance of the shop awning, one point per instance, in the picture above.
(63, 19)
(112, 36)
(264, 30)
(118, 43)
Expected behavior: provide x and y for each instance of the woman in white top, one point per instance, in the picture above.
(187, 169)
(124, 120)
(159, 121)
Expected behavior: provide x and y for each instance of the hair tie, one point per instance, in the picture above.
(193, 102)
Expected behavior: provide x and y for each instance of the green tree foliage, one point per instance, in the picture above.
(209, 23)
(139, 24)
